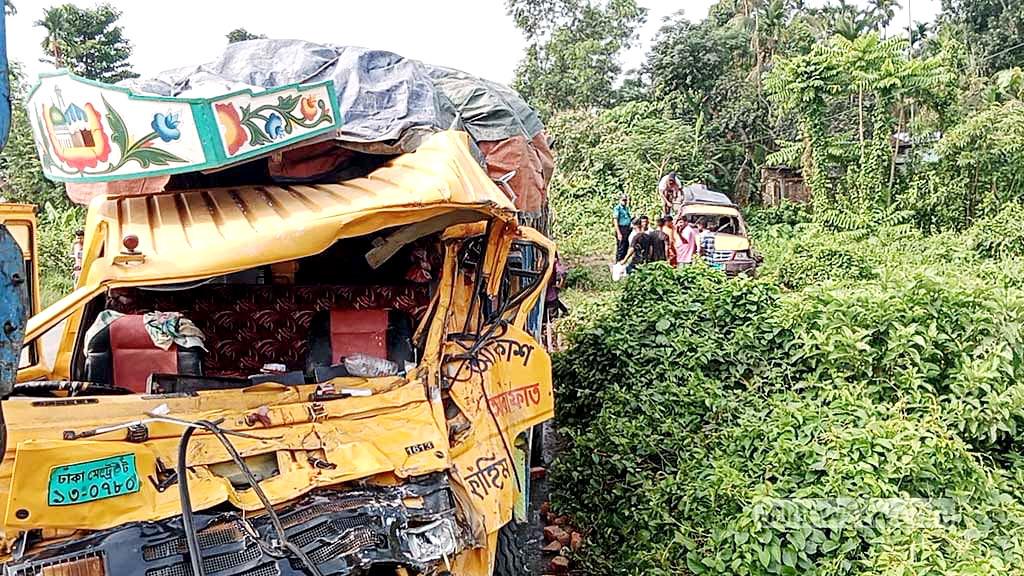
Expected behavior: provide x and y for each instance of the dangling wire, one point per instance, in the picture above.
(195, 554)
(191, 537)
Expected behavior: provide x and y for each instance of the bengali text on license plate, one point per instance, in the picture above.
(93, 480)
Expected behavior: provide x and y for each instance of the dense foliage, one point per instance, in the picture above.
(571, 57)
(870, 424)
(87, 41)
(992, 27)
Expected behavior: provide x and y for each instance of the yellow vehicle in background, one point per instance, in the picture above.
(729, 247)
(257, 380)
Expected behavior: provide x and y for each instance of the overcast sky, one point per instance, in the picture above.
(472, 35)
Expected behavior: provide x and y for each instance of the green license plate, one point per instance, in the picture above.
(718, 266)
(93, 480)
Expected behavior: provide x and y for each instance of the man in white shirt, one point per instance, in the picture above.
(668, 189)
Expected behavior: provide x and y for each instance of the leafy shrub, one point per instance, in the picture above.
(786, 214)
(813, 261)
(725, 427)
(592, 276)
(56, 233)
(1001, 234)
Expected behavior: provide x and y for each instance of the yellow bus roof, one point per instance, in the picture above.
(195, 234)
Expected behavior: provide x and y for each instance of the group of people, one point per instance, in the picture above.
(677, 242)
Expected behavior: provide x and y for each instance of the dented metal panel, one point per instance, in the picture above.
(13, 308)
(197, 233)
(413, 524)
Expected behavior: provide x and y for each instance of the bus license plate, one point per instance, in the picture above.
(93, 480)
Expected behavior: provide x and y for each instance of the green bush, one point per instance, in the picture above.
(725, 427)
(813, 261)
(1001, 234)
(56, 233)
(786, 214)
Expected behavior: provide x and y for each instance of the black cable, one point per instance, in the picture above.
(478, 281)
(187, 520)
(470, 356)
(275, 520)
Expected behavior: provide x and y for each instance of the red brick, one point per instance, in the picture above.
(554, 533)
(553, 547)
(538, 472)
(575, 541)
(559, 564)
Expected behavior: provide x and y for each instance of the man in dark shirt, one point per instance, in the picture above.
(639, 248)
(659, 242)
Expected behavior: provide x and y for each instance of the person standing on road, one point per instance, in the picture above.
(670, 250)
(705, 241)
(621, 221)
(77, 255)
(686, 242)
(552, 303)
(659, 242)
(639, 249)
(633, 231)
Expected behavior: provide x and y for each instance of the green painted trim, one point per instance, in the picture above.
(212, 143)
(157, 98)
(206, 126)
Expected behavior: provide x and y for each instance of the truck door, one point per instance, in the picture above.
(20, 222)
(496, 378)
(14, 308)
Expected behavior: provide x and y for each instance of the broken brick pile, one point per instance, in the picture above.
(560, 539)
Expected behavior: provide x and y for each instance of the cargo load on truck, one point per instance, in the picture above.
(326, 112)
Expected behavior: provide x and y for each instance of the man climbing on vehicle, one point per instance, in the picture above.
(668, 189)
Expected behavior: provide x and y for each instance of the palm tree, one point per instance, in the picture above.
(54, 44)
(919, 34)
(881, 12)
(840, 17)
(848, 26)
(766, 22)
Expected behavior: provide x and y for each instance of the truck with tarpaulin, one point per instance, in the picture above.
(304, 336)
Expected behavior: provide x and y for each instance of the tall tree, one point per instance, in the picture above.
(687, 59)
(993, 28)
(881, 13)
(21, 174)
(571, 60)
(87, 41)
(880, 81)
(241, 35)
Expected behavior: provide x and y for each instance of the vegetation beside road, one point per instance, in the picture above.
(857, 425)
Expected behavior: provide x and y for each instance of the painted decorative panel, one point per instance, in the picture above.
(87, 131)
(249, 123)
